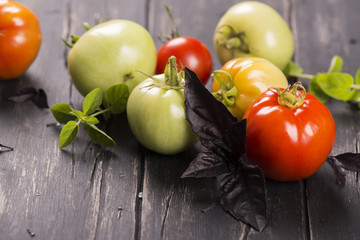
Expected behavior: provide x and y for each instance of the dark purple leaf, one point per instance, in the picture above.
(235, 137)
(208, 118)
(349, 161)
(244, 194)
(23, 95)
(38, 97)
(339, 171)
(242, 184)
(206, 164)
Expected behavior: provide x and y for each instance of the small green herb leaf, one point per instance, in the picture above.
(357, 77)
(80, 115)
(335, 64)
(337, 85)
(91, 120)
(100, 137)
(292, 69)
(117, 97)
(316, 90)
(62, 112)
(92, 101)
(68, 134)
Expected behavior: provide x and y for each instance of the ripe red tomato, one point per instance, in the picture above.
(20, 38)
(291, 142)
(189, 52)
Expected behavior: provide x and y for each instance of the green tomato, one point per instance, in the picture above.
(156, 115)
(110, 53)
(253, 29)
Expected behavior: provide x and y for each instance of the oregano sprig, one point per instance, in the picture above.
(115, 99)
(331, 84)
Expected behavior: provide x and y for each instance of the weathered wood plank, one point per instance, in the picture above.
(84, 191)
(90, 192)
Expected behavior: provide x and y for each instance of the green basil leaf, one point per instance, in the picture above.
(80, 115)
(357, 77)
(335, 64)
(316, 90)
(92, 101)
(68, 134)
(292, 69)
(117, 97)
(100, 137)
(61, 112)
(91, 120)
(337, 85)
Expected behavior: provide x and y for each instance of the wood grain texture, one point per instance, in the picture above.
(128, 192)
(84, 191)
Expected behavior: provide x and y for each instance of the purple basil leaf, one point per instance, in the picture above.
(206, 164)
(235, 137)
(338, 169)
(30, 94)
(23, 95)
(40, 99)
(242, 184)
(208, 118)
(349, 161)
(244, 194)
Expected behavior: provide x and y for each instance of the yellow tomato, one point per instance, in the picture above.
(242, 80)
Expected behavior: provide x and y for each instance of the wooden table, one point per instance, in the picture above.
(89, 192)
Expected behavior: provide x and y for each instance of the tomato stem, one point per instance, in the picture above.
(86, 26)
(228, 91)
(302, 75)
(100, 112)
(355, 86)
(172, 79)
(174, 30)
(291, 97)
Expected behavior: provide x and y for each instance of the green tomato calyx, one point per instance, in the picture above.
(173, 79)
(228, 91)
(231, 40)
(292, 97)
(75, 38)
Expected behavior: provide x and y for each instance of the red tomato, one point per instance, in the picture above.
(20, 38)
(292, 142)
(189, 52)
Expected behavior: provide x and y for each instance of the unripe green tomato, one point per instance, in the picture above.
(253, 29)
(110, 53)
(156, 116)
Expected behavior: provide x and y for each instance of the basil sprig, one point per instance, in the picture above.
(331, 84)
(115, 100)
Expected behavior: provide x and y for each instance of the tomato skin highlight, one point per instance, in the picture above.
(251, 76)
(190, 53)
(288, 144)
(20, 39)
